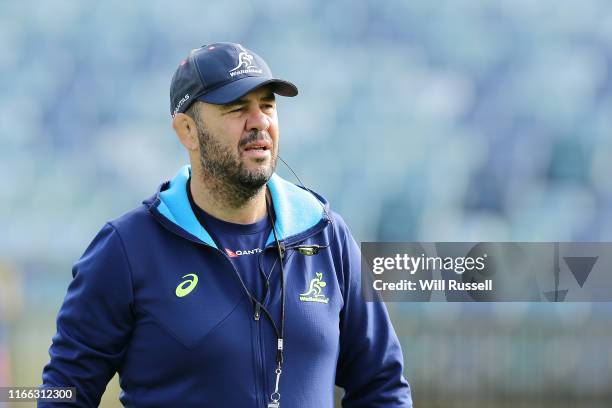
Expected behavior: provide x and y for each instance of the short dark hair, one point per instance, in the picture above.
(194, 111)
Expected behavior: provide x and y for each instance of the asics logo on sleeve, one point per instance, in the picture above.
(187, 286)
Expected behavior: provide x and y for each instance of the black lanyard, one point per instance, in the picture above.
(275, 396)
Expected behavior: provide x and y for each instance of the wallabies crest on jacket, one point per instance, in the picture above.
(314, 290)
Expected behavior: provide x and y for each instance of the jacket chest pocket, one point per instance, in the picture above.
(313, 313)
(191, 307)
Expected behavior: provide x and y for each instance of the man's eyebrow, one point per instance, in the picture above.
(235, 103)
(239, 102)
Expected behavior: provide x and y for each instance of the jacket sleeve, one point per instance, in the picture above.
(370, 363)
(94, 322)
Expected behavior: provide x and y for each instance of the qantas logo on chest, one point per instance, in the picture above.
(235, 254)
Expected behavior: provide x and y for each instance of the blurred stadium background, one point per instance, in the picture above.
(459, 120)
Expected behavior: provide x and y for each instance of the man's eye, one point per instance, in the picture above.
(240, 109)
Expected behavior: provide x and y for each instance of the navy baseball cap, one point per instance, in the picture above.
(220, 73)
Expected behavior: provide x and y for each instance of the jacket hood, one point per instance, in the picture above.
(296, 209)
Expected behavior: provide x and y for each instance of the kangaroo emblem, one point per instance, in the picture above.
(313, 294)
(245, 61)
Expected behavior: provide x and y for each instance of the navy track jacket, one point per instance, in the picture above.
(204, 348)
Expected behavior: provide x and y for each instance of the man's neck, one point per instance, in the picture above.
(209, 198)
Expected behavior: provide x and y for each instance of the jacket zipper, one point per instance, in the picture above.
(257, 346)
(257, 313)
(259, 337)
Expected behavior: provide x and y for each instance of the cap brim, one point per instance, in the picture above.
(237, 89)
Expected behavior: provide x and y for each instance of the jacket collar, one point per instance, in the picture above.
(296, 209)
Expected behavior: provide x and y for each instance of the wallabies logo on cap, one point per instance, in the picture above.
(245, 65)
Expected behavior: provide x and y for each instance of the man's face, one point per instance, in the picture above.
(239, 141)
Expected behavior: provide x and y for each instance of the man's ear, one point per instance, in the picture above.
(186, 131)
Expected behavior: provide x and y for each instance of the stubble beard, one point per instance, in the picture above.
(225, 174)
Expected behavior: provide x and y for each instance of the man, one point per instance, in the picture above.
(230, 287)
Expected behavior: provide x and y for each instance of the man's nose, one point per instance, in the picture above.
(257, 120)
